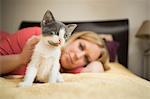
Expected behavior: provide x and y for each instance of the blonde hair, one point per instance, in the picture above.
(96, 39)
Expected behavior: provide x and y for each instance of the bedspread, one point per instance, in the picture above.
(118, 83)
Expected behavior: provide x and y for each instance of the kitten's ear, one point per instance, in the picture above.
(48, 17)
(70, 29)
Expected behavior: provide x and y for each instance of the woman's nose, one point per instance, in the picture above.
(80, 54)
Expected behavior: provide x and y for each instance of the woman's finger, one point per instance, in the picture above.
(34, 40)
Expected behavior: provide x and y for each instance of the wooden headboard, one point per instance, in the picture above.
(118, 28)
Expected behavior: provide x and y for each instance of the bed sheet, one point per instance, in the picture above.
(117, 83)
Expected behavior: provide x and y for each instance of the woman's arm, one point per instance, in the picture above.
(94, 67)
(9, 63)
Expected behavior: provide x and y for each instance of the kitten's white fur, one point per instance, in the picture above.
(44, 65)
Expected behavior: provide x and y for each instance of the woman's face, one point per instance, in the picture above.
(79, 53)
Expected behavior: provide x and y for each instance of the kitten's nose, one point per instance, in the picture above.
(58, 41)
(54, 42)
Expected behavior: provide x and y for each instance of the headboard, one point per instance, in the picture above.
(118, 28)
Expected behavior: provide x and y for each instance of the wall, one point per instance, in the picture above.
(14, 11)
(148, 9)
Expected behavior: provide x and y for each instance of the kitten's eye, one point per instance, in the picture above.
(65, 36)
(52, 33)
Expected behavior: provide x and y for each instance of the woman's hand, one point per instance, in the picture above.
(94, 67)
(27, 51)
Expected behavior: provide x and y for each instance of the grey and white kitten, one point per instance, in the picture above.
(44, 65)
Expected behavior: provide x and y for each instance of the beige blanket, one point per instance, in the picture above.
(117, 83)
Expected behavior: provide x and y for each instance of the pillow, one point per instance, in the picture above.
(112, 47)
(107, 37)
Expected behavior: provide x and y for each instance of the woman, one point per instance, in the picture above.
(83, 52)
(85, 49)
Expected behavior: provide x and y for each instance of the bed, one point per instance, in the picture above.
(116, 83)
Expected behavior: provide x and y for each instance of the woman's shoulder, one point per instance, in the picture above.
(24, 34)
(14, 43)
(30, 31)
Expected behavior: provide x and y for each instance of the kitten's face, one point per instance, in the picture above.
(54, 33)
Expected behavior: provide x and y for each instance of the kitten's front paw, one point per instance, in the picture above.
(24, 84)
(52, 81)
(60, 80)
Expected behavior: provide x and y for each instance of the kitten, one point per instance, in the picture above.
(44, 65)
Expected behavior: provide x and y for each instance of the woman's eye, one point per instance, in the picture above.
(81, 46)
